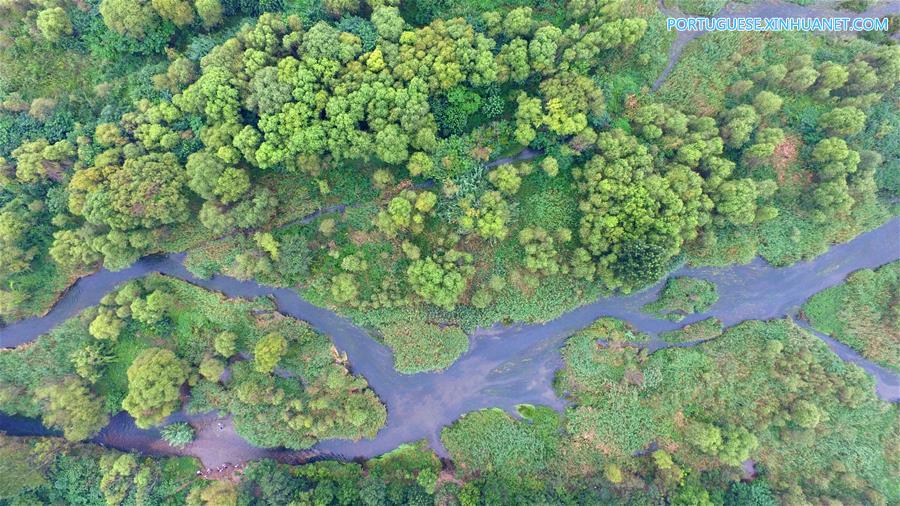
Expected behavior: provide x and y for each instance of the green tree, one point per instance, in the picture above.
(339, 8)
(489, 217)
(543, 48)
(634, 219)
(541, 253)
(391, 145)
(506, 178)
(154, 382)
(834, 159)
(736, 447)
(90, 360)
(529, 116)
(691, 494)
(388, 23)
(754, 493)
(706, 437)
(550, 166)
(267, 243)
(806, 414)
(225, 343)
(736, 201)
(513, 62)
(54, 23)
(344, 288)
(843, 121)
(438, 282)
(145, 192)
(833, 197)
(268, 352)
(613, 473)
(211, 368)
(16, 253)
(118, 476)
(420, 164)
(179, 12)
(739, 125)
(231, 185)
(210, 11)
(831, 77)
(518, 22)
(179, 74)
(203, 170)
(39, 160)
(800, 79)
(427, 479)
(70, 406)
(106, 326)
(151, 309)
(129, 17)
(640, 263)
(767, 103)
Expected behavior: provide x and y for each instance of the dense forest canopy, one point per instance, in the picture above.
(292, 108)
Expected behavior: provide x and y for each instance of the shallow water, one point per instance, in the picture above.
(504, 366)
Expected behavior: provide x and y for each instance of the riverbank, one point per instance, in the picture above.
(505, 365)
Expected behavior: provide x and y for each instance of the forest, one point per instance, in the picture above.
(763, 415)
(425, 169)
(150, 338)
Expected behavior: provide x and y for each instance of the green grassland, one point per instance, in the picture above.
(862, 312)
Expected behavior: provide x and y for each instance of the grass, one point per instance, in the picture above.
(420, 346)
(634, 70)
(683, 296)
(699, 79)
(752, 380)
(749, 377)
(700, 7)
(548, 202)
(863, 312)
(43, 283)
(709, 328)
(28, 367)
(490, 441)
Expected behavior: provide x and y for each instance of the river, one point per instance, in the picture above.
(504, 366)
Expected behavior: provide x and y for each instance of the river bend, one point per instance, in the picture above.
(504, 366)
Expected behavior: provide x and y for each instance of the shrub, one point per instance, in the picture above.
(179, 434)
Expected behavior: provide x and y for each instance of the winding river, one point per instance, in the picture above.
(504, 366)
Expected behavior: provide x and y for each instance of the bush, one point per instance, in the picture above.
(683, 296)
(419, 346)
(863, 313)
(179, 434)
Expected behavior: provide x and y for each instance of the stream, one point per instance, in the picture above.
(504, 366)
